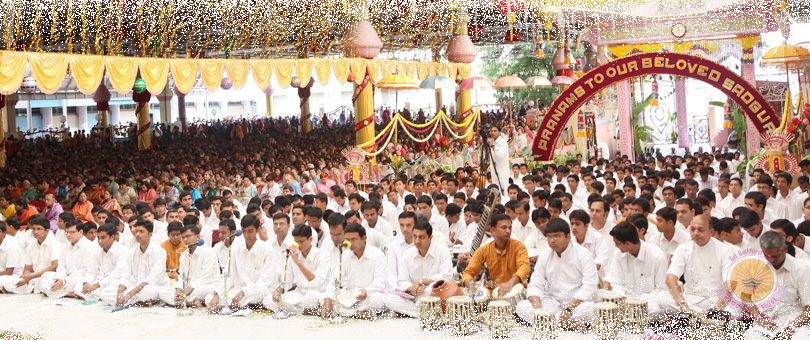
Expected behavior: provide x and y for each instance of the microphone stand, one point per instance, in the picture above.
(336, 318)
(281, 314)
(226, 310)
(185, 311)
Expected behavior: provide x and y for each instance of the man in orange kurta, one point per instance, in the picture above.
(506, 258)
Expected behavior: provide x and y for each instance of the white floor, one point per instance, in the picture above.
(36, 314)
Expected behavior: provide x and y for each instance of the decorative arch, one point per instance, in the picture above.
(752, 103)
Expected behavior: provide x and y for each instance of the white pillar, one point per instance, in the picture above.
(115, 114)
(82, 112)
(199, 108)
(164, 99)
(245, 108)
(223, 110)
(28, 116)
(47, 117)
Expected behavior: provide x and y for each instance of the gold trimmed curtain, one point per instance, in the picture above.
(88, 72)
(238, 72)
(284, 71)
(49, 69)
(122, 72)
(323, 69)
(155, 72)
(341, 68)
(211, 73)
(262, 72)
(184, 73)
(303, 70)
(12, 70)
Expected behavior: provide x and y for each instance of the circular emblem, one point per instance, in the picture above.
(678, 30)
(753, 281)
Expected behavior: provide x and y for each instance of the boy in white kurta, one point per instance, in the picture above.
(419, 267)
(41, 258)
(12, 257)
(308, 269)
(564, 280)
(144, 273)
(365, 275)
(72, 263)
(199, 268)
(105, 264)
(639, 271)
(252, 268)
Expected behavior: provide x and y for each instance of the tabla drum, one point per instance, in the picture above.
(460, 315)
(636, 316)
(544, 325)
(500, 318)
(606, 319)
(513, 296)
(615, 298)
(430, 313)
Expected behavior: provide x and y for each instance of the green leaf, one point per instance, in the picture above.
(718, 104)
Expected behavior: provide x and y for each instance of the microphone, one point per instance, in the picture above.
(194, 245)
(294, 245)
(346, 245)
(235, 234)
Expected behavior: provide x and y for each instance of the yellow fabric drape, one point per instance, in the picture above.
(184, 73)
(401, 68)
(323, 69)
(387, 67)
(155, 72)
(211, 73)
(284, 71)
(237, 72)
(262, 72)
(12, 70)
(452, 70)
(341, 68)
(88, 71)
(122, 72)
(422, 70)
(49, 69)
(303, 69)
(464, 70)
(373, 67)
(410, 69)
(358, 67)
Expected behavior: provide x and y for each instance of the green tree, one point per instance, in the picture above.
(523, 66)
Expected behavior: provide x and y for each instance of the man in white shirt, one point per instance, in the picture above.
(309, 271)
(750, 222)
(788, 319)
(144, 272)
(280, 241)
(735, 198)
(400, 244)
(105, 266)
(320, 229)
(438, 222)
(208, 220)
(371, 212)
(41, 258)
(731, 233)
(669, 236)
(599, 214)
(522, 226)
(789, 198)
(536, 242)
(499, 165)
(72, 264)
(758, 202)
(579, 195)
(252, 269)
(12, 257)
(564, 280)
(420, 266)
(227, 231)
(374, 237)
(778, 209)
(340, 204)
(365, 276)
(702, 262)
(457, 226)
(591, 240)
(199, 269)
(639, 271)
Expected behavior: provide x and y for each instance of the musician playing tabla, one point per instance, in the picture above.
(420, 266)
(564, 280)
(506, 258)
